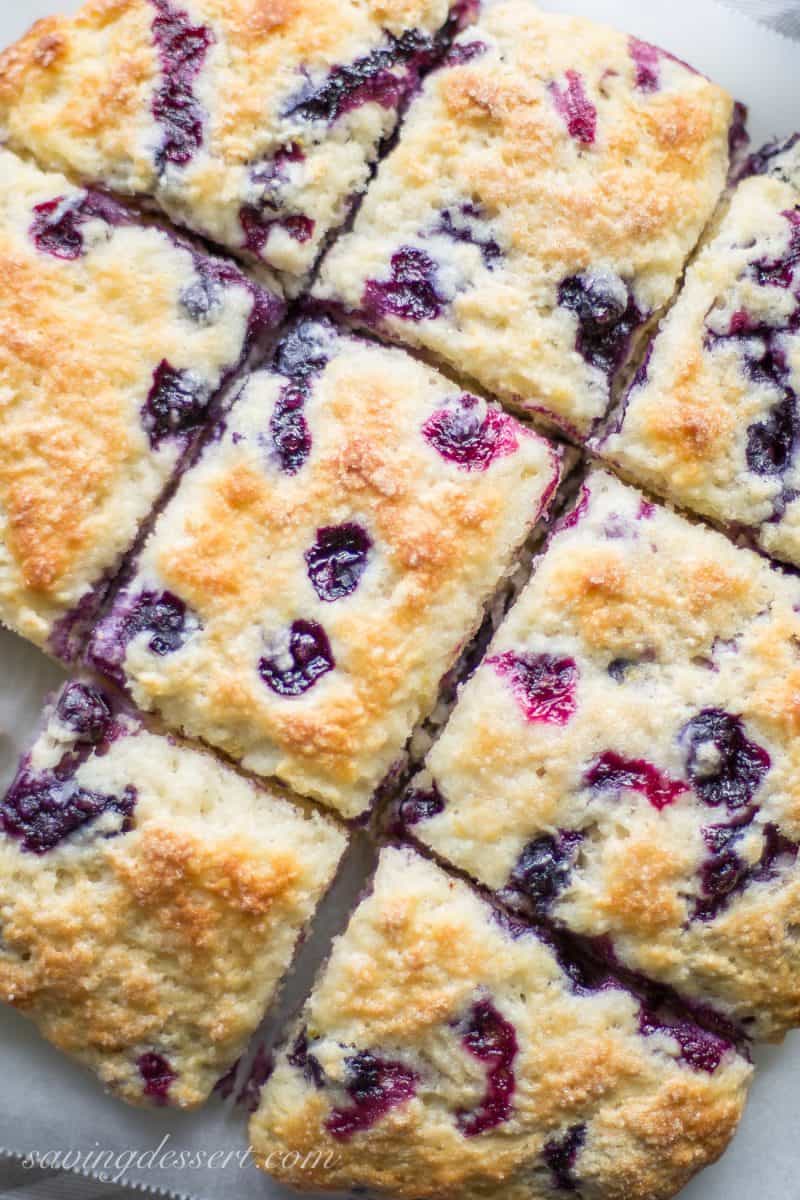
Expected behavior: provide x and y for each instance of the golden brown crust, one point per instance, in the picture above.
(671, 632)
(401, 983)
(232, 546)
(170, 938)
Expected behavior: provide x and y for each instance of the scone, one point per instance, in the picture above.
(150, 899)
(253, 123)
(547, 188)
(449, 1054)
(626, 760)
(712, 420)
(322, 567)
(115, 339)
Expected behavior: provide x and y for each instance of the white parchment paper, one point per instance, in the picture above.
(49, 1106)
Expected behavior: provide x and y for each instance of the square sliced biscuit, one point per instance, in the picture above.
(255, 124)
(323, 565)
(150, 898)
(115, 340)
(712, 420)
(447, 1053)
(548, 185)
(625, 762)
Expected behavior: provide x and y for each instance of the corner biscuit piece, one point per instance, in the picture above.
(626, 760)
(548, 185)
(254, 122)
(321, 568)
(115, 339)
(712, 422)
(150, 899)
(449, 1053)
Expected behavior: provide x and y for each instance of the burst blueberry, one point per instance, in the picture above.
(607, 315)
(613, 772)
(724, 766)
(544, 686)
(86, 711)
(575, 107)
(307, 658)
(471, 434)
(176, 404)
(56, 227)
(543, 869)
(421, 804)
(42, 809)
(157, 1075)
(411, 292)
(337, 560)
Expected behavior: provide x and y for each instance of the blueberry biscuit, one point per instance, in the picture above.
(625, 760)
(253, 123)
(150, 899)
(320, 569)
(448, 1053)
(114, 340)
(548, 185)
(712, 420)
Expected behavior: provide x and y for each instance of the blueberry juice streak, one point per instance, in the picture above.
(467, 224)
(303, 353)
(574, 106)
(701, 1049)
(374, 1086)
(561, 1155)
(490, 1038)
(470, 434)
(613, 772)
(385, 77)
(182, 49)
(725, 874)
(258, 219)
(57, 224)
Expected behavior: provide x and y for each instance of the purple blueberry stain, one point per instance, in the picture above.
(543, 685)
(701, 1049)
(543, 870)
(304, 661)
(490, 1038)
(724, 766)
(575, 107)
(86, 712)
(384, 76)
(157, 1076)
(257, 227)
(182, 49)
(162, 617)
(725, 874)
(56, 226)
(289, 433)
(177, 403)
(606, 313)
(301, 1058)
(470, 433)
(411, 292)
(613, 772)
(337, 560)
(772, 443)
(560, 1155)
(374, 1086)
(783, 272)
(467, 223)
(647, 60)
(461, 53)
(419, 805)
(764, 161)
(261, 1068)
